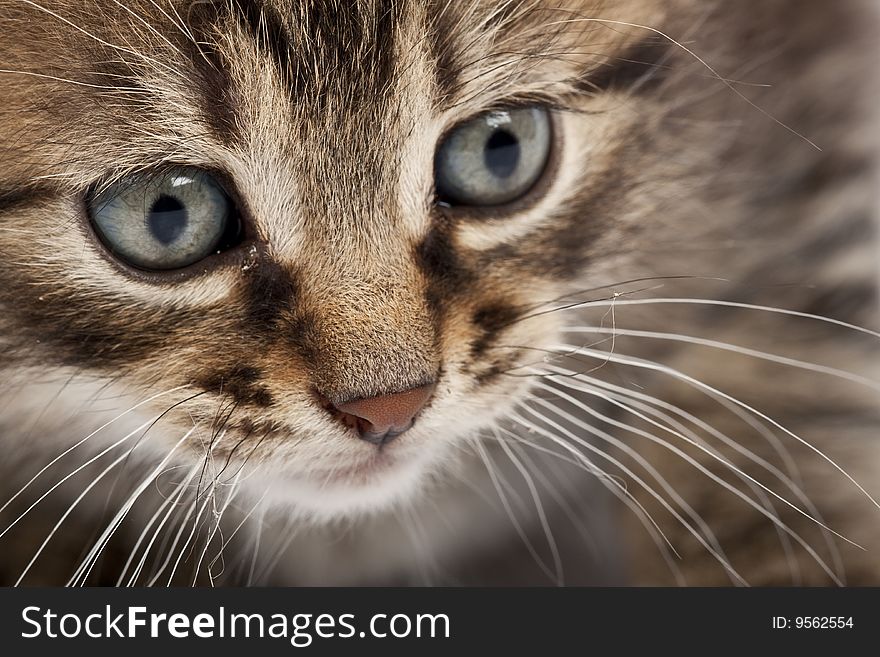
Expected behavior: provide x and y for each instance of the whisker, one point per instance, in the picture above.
(228, 540)
(593, 390)
(280, 551)
(170, 551)
(632, 397)
(180, 24)
(496, 482)
(146, 24)
(65, 515)
(134, 91)
(721, 560)
(82, 441)
(75, 472)
(739, 472)
(619, 490)
(101, 41)
(650, 365)
(551, 371)
(170, 503)
(542, 515)
(636, 399)
(198, 521)
(724, 346)
(727, 304)
(705, 530)
(181, 528)
(415, 532)
(89, 562)
(218, 517)
(258, 538)
(559, 498)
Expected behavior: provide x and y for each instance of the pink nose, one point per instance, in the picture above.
(380, 420)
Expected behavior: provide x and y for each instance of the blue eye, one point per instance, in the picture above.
(166, 221)
(494, 159)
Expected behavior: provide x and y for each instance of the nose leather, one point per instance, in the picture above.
(381, 419)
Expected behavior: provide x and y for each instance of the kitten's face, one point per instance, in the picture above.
(359, 259)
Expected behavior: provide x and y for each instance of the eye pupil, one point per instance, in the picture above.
(502, 153)
(167, 219)
(493, 159)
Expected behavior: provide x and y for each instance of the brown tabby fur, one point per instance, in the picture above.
(704, 149)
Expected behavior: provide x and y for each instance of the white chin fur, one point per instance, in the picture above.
(323, 501)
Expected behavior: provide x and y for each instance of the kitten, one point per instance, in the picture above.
(395, 292)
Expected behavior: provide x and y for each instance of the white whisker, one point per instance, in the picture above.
(650, 365)
(65, 515)
(539, 507)
(698, 466)
(725, 304)
(218, 517)
(744, 351)
(84, 440)
(706, 531)
(616, 487)
(496, 478)
(227, 540)
(258, 540)
(635, 399)
(76, 471)
(82, 573)
(700, 538)
(559, 498)
(715, 74)
(171, 502)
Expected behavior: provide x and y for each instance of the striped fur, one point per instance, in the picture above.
(703, 150)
